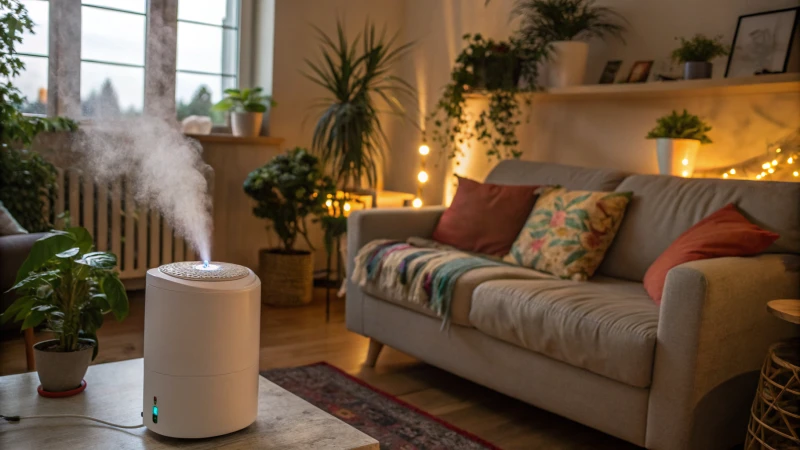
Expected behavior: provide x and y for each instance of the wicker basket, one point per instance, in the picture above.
(287, 279)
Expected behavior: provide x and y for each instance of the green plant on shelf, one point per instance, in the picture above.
(681, 126)
(699, 49)
(244, 100)
(566, 20)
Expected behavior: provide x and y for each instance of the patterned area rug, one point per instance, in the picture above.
(391, 421)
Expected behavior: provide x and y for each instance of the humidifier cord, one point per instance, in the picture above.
(67, 416)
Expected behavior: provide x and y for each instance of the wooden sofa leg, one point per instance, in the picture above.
(28, 334)
(374, 350)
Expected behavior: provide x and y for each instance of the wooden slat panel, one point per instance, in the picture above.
(60, 195)
(88, 206)
(102, 217)
(130, 239)
(116, 217)
(74, 206)
(166, 244)
(141, 233)
(155, 240)
(190, 254)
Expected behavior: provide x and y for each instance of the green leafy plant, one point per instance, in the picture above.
(348, 135)
(70, 287)
(681, 126)
(493, 69)
(699, 49)
(26, 179)
(245, 100)
(566, 20)
(287, 190)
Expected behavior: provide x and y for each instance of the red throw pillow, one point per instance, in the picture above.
(485, 218)
(725, 233)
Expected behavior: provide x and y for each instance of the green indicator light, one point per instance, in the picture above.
(155, 410)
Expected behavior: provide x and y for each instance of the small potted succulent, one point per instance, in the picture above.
(678, 138)
(66, 285)
(287, 190)
(247, 108)
(696, 55)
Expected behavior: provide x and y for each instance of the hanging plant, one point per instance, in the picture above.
(493, 69)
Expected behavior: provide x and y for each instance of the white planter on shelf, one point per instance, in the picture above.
(677, 156)
(247, 124)
(567, 64)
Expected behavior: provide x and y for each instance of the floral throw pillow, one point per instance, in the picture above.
(568, 232)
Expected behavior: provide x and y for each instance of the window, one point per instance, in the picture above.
(34, 52)
(207, 62)
(112, 57)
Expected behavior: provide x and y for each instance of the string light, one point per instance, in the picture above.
(424, 150)
(771, 170)
(765, 165)
(778, 150)
(725, 175)
(329, 203)
(774, 162)
(685, 162)
(733, 171)
(346, 207)
(422, 176)
(685, 173)
(795, 173)
(790, 160)
(758, 177)
(417, 203)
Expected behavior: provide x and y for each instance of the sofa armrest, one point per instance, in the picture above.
(367, 225)
(714, 327)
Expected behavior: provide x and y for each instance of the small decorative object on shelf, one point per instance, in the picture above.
(610, 72)
(247, 108)
(640, 71)
(678, 138)
(696, 55)
(763, 43)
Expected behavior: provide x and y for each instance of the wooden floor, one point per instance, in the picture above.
(298, 336)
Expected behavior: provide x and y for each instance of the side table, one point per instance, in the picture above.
(775, 414)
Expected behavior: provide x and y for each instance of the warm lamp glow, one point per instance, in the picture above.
(733, 171)
(424, 149)
(417, 202)
(422, 176)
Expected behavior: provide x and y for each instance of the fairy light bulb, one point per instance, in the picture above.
(685, 173)
(417, 203)
(790, 160)
(774, 162)
(424, 149)
(765, 165)
(725, 175)
(771, 170)
(422, 176)
(778, 150)
(758, 177)
(328, 203)
(795, 173)
(733, 171)
(685, 162)
(346, 206)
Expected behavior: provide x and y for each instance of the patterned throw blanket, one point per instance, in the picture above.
(416, 271)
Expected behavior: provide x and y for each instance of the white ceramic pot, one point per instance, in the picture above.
(567, 64)
(61, 371)
(677, 156)
(247, 124)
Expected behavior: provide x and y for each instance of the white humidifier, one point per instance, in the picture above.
(201, 342)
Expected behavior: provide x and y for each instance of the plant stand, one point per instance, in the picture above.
(325, 281)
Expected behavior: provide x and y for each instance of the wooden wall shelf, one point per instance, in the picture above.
(237, 140)
(760, 84)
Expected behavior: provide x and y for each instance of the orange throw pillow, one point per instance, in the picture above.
(724, 233)
(485, 218)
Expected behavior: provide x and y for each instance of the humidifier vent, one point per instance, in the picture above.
(199, 271)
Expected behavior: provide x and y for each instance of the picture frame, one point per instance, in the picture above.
(640, 72)
(610, 71)
(763, 42)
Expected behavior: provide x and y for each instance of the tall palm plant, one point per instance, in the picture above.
(566, 20)
(348, 135)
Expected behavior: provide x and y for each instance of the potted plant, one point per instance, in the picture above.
(564, 25)
(696, 55)
(66, 285)
(247, 108)
(287, 190)
(678, 138)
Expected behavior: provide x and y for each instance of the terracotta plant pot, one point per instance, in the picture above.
(287, 279)
(677, 156)
(246, 124)
(61, 371)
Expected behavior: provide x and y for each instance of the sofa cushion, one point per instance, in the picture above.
(549, 174)
(462, 294)
(485, 218)
(606, 326)
(663, 207)
(568, 232)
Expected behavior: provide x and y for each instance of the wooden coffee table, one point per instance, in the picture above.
(114, 393)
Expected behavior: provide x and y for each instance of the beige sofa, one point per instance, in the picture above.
(601, 352)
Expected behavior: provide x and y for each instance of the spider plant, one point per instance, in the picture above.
(348, 135)
(566, 20)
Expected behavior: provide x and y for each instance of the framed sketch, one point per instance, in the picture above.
(640, 71)
(610, 72)
(762, 43)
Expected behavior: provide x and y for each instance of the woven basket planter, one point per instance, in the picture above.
(287, 279)
(775, 415)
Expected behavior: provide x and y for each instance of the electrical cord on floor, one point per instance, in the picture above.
(67, 416)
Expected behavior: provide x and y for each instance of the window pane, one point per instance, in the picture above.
(194, 94)
(127, 5)
(112, 36)
(111, 90)
(32, 82)
(36, 42)
(216, 12)
(205, 48)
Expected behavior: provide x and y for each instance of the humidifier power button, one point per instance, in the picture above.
(155, 410)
